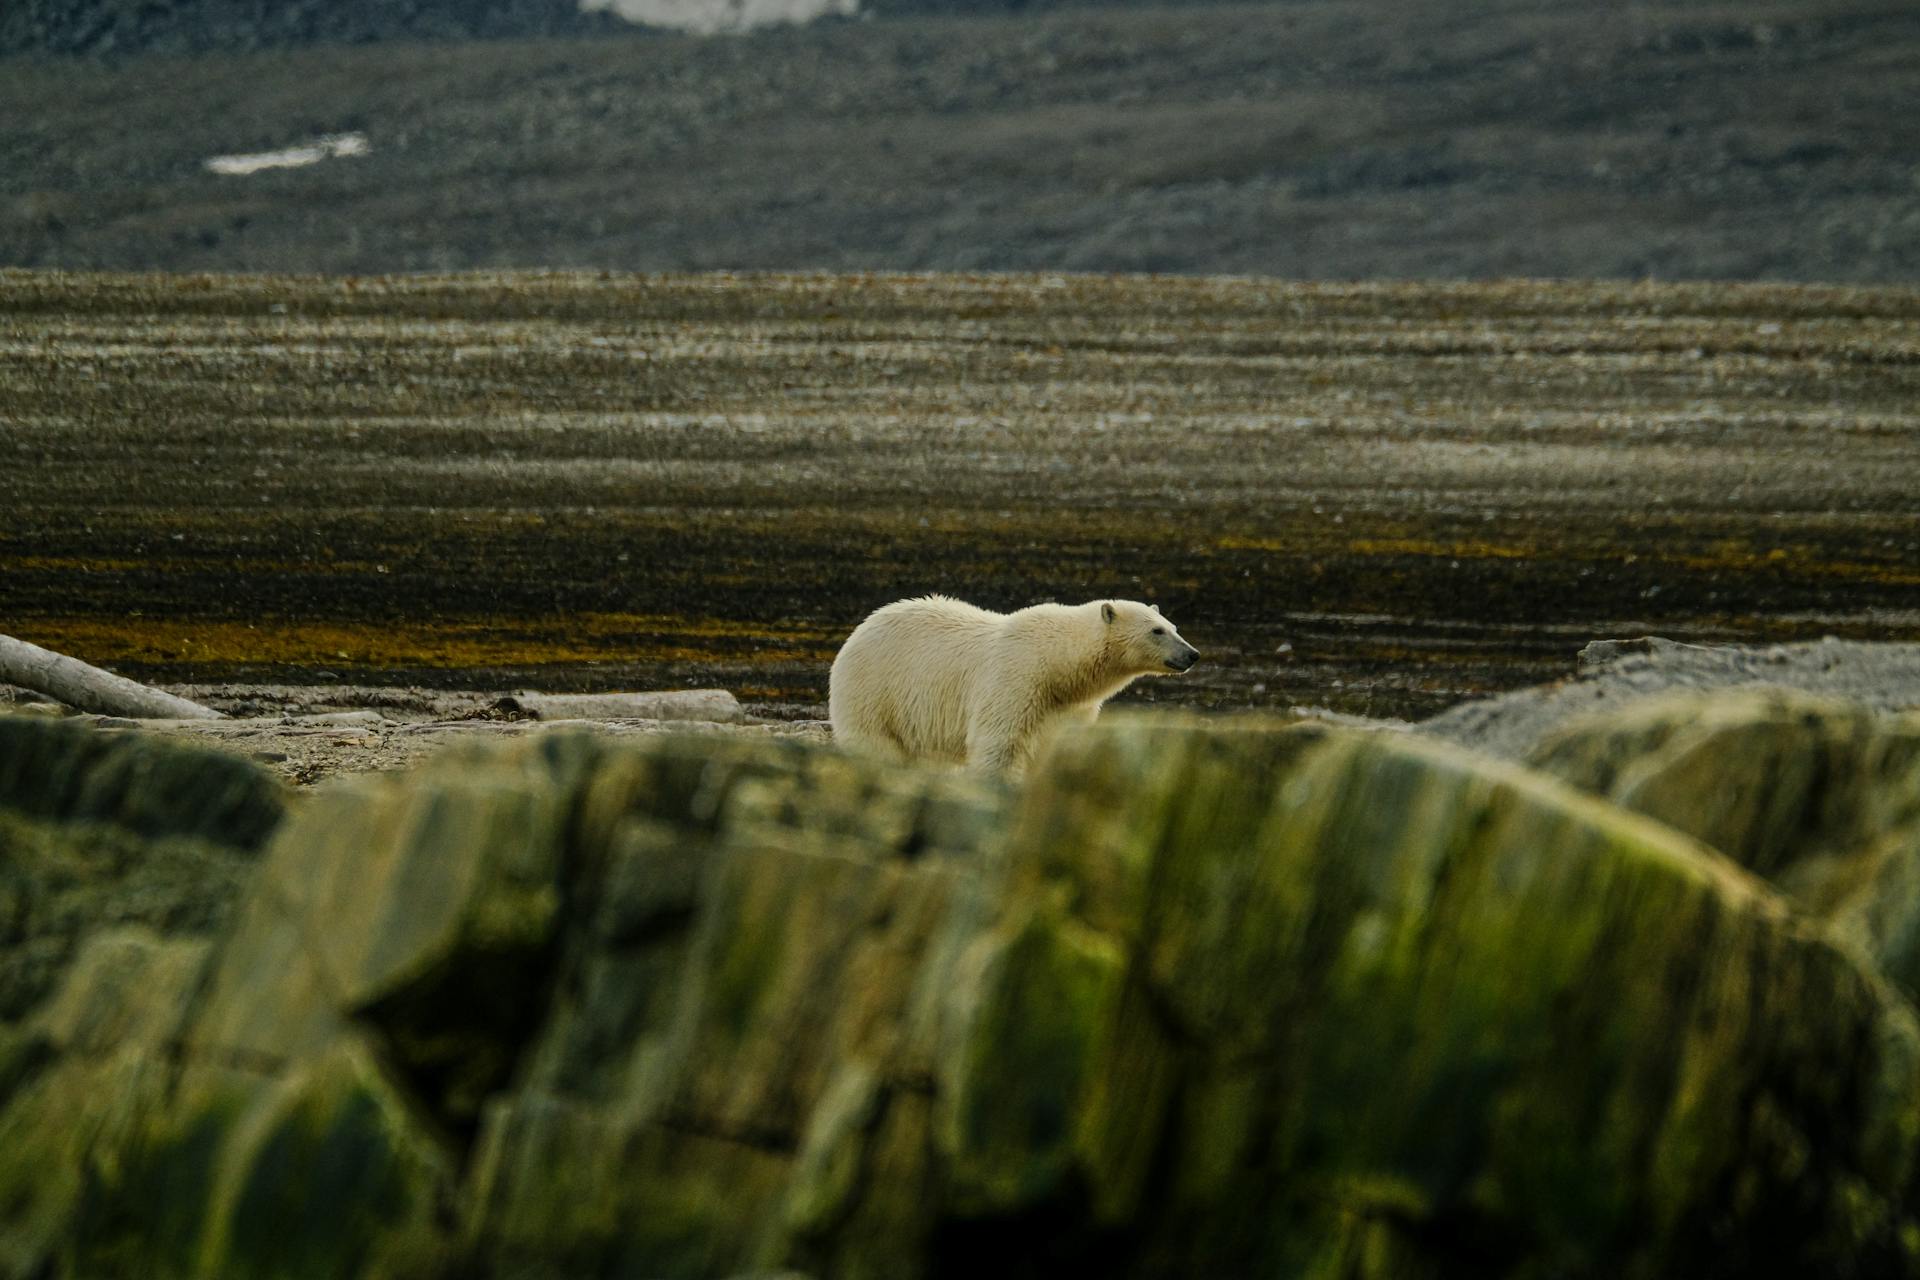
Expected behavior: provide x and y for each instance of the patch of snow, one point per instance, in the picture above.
(710, 17)
(326, 148)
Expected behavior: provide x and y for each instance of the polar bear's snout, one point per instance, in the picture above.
(1164, 643)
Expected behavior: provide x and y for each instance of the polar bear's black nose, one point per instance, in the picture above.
(1184, 659)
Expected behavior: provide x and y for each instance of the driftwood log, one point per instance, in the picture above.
(714, 705)
(88, 688)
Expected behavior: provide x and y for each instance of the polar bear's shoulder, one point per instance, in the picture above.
(937, 606)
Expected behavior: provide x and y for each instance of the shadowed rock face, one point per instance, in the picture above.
(1206, 997)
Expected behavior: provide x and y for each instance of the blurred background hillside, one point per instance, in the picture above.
(1335, 139)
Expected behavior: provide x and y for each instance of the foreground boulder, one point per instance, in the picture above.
(1821, 796)
(1348, 1004)
(1205, 998)
(121, 859)
(430, 968)
(97, 830)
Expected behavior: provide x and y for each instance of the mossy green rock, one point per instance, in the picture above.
(122, 856)
(145, 784)
(1820, 796)
(1205, 997)
(323, 1169)
(617, 936)
(100, 830)
(423, 907)
(747, 1022)
(78, 1075)
(1372, 980)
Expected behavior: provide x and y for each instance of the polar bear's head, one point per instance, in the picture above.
(1144, 642)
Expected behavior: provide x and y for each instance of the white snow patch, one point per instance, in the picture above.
(333, 144)
(709, 17)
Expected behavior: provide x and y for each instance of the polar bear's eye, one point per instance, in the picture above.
(1159, 631)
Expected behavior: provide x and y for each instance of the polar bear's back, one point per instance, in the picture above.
(902, 680)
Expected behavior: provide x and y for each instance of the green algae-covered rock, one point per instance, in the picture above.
(1820, 796)
(567, 1003)
(322, 1169)
(1226, 999)
(1204, 998)
(1768, 777)
(272, 1075)
(75, 1077)
(100, 830)
(144, 784)
(1372, 980)
(747, 1027)
(121, 856)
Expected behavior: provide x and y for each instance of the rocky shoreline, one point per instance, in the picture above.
(1207, 995)
(1382, 498)
(308, 733)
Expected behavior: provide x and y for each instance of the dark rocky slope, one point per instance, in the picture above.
(122, 28)
(1352, 138)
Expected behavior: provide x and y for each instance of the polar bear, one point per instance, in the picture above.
(934, 678)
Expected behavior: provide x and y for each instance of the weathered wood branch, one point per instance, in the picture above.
(88, 688)
(715, 705)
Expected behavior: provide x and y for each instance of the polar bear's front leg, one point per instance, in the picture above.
(993, 754)
(1083, 713)
(1000, 738)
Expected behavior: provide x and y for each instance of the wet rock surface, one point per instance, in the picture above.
(1220, 996)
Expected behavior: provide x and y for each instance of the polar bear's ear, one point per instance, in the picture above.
(1106, 611)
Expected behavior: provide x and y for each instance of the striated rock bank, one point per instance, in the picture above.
(1206, 997)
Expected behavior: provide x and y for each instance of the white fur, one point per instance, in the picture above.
(937, 679)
